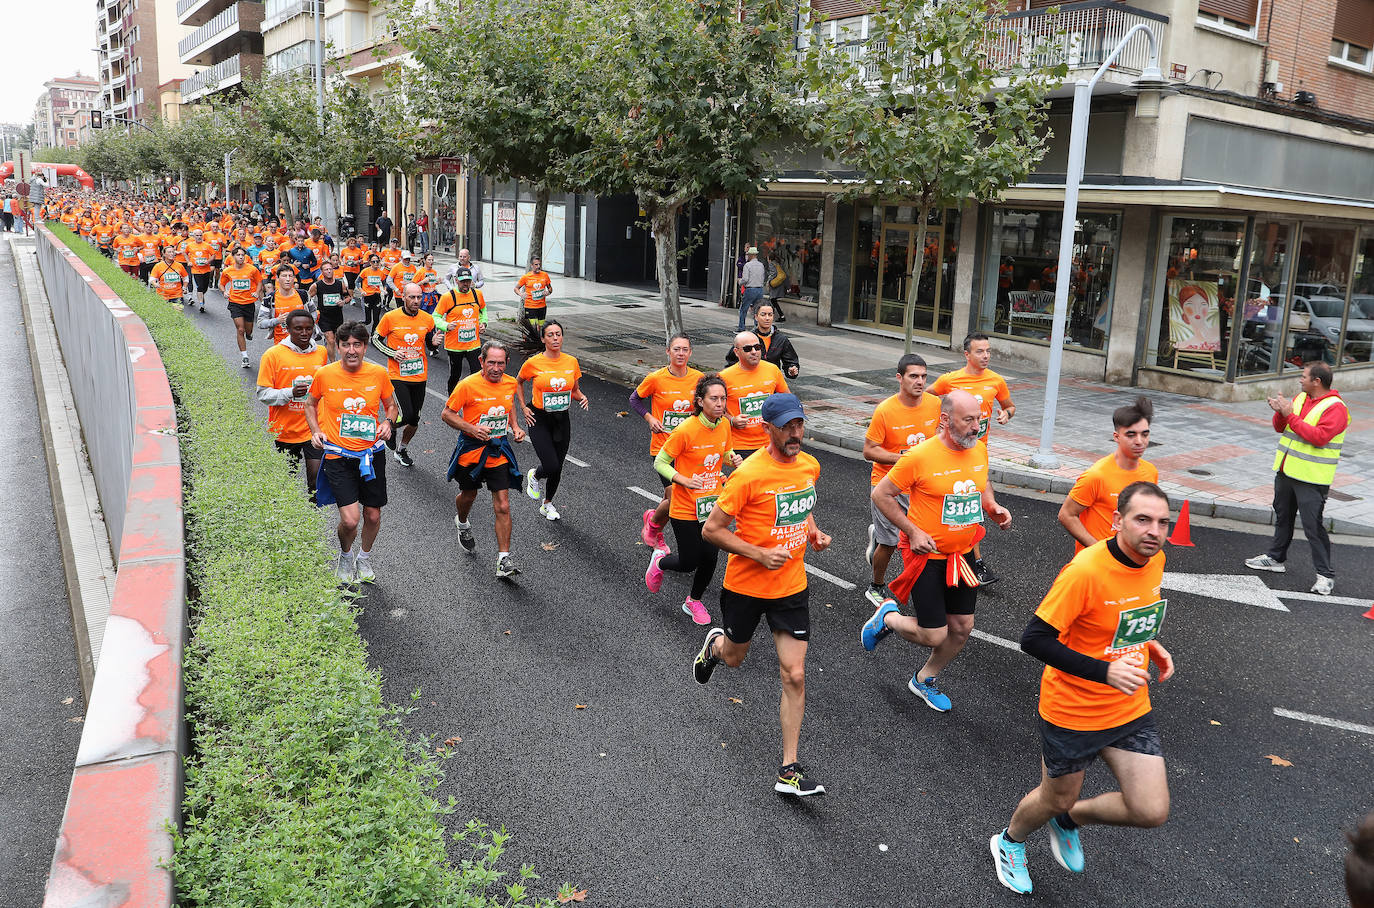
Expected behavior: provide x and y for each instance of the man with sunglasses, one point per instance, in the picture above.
(748, 383)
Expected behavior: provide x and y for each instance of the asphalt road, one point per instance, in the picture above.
(38, 668)
(659, 791)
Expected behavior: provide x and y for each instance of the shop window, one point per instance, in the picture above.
(791, 230)
(1359, 326)
(868, 224)
(1190, 320)
(1266, 290)
(1321, 280)
(1022, 268)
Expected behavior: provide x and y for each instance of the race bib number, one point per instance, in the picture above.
(556, 401)
(127, 252)
(792, 508)
(374, 282)
(538, 293)
(467, 335)
(751, 407)
(240, 283)
(496, 425)
(202, 259)
(412, 367)
(962, 509)
(983, 427)
(704, 505)
(358, 426)
(674, 418)
(331, 299)
(1139, 625)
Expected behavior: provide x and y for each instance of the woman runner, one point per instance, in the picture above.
(555, 376)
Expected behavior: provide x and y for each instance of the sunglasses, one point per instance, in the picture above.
(750, 348)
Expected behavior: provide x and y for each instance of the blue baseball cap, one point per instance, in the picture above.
(780, 409)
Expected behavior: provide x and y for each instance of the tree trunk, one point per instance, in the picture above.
(663, 221)
(918, 260)
(541, 217)
(283, 201)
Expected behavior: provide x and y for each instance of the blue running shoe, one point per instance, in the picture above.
(876, 628)
(929, 692)
(1066, 847)
(1010, 858)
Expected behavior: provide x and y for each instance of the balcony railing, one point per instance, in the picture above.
(1080, 34)
(210, 78)
(279, 12)
(221, 23)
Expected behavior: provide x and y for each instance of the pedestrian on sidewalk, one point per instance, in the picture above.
(777, 346)
(775, 278)
(422, 224)
(1312, 428)
(751, 281)
(412, 233)
(7, 213)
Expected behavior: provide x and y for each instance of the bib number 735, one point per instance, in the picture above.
(1139, 625)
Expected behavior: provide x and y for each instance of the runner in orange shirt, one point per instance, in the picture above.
(169, 277)
(987, 387)
(692, 460)
(351, 258)
(751, 381)
(402, 273)
(533, 290)
(404, 336)
(1096, 631)
(555, 378)
(428, 279)
(770, 499)
(104, 233)
(277, 301)
(666, 398)
(391, 256)
(201, 256)
(899, 423)
(150, 250)
(482, 407)
(1087, 511)
(269, 256)
(351, 410)
(371, 284)
(127, 248)
(461, 313)
(946, 479)
(285, 374)
(241, 283)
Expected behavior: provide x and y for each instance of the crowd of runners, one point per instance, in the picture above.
(727, 449)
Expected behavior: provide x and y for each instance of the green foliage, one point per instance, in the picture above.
(53, 155)
(302, 788)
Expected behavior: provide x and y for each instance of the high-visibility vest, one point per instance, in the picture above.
(1305, 462)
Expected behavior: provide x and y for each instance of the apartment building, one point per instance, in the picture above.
(137, 40)
(222, 44)
(62, 114)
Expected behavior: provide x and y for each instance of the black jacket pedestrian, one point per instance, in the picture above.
(779, 352)
(383, 227)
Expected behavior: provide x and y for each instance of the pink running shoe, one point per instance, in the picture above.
(653, 577)
(652, 533)
(698, 611)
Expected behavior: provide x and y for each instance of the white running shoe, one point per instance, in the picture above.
(533, 487)
(344, 567)
(1324, 585)
(549, 511)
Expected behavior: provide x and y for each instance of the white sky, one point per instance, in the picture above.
(31, 60)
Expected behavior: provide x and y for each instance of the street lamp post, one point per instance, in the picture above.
(1149, 86)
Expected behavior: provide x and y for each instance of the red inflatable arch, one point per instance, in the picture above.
(66, 170)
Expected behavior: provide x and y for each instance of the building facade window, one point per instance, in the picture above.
(1202, 264)
(1261, 316)
(1351, 54)
(887, 245)
(1022, 269)
(1358, 346)
(792, 231)
(1237, 16)
(1321, 284)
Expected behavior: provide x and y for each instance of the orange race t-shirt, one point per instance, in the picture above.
(127, 249)
(278, 368)
(281, 305)
(946, 492)
(241, 284)
(170, 280)
(1097, 489)
(897, 428)
(553, 382)
(372, 280)
(150, 248)
(350, 259)
(771, 503)
(406, 333)
(390, 257)
(104, 234)
(463, 312)
(698, 450)
(401, 274)
(349, 404)
(1107, 610)
(985, 387)
(485, 403)
(745, 393)
(201, 256)
(670, 401)
(537, 286)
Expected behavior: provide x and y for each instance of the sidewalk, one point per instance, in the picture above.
(1217, 456)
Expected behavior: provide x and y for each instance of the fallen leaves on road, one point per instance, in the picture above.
(450, 742)
(548, 546)
(828, 605)
(736, 700)
(77, 719)
(580, 706)
(1276, 760)
(572, 895)
(1215, 722)
(67, 702)
(622, 414)
(429, 450)
(507, 633)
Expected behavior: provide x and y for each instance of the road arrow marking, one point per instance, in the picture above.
(1246, 589)
(1323, 720)
(1318, 597)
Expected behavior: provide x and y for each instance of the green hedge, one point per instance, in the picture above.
(302, 787)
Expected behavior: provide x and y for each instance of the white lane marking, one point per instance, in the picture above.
(1323, 720)
(574, 460)
(643, 493)
(993, 638)
(817, 572)
(1318, 597)
(1246, 589)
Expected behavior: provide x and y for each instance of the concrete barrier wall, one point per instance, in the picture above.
(126, 788)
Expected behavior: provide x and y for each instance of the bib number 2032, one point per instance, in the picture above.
(1139, 625)
(794, 507)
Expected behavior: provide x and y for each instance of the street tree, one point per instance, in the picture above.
(931, 111)
(683, 102)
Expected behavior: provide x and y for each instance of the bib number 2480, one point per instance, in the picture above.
(794, 507)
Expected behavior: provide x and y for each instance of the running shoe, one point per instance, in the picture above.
(465, 536)
(1265, 563)
(985, 574)
(505, 567)
(698, 611)
(1010, 860)
(403, 458)
(245, 361)
(652, 533)
(344, 567)
(202, 308)
(532, 486)
(363, 570)
(876, 593)
(1064, 844)
(929, 692)
(653, 577)
(876, 628)
(872, 545)
(1324, 585)
(707, 660)
(549, 511)
(792, 781)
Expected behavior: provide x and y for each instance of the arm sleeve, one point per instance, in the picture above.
(266, 317)
(1041, 641)
(274, 397)
(663, 463)
(1084, 490)
(639, 404)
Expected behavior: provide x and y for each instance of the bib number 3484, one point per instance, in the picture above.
(1139, 625)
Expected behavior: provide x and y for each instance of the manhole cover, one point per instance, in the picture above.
(1342, 496)
(1197, 472)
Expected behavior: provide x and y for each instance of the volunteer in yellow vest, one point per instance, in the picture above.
(461, 313)
(749, 383)
(405, 335)
(1312, 428)
(1087, 511)
(285, 374)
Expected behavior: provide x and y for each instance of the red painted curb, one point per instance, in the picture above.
(114, 845)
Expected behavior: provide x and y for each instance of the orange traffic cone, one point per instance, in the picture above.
(1181, 534)
(1370, 614)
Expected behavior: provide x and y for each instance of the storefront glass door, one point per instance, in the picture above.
(895, 269)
